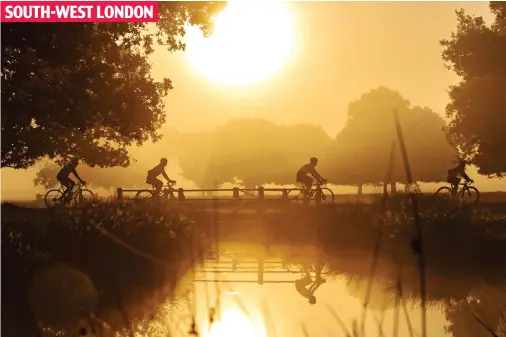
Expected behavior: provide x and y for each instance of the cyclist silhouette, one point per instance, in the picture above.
(306, 280)
(303, 175)
(155, 172)
(454, 175)
(64, 179)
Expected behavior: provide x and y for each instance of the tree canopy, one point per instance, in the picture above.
(361, 153)
(477, 108)
(255, 151)
(85, 89)
(258, 151)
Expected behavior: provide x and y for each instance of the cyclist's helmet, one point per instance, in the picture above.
(74, 160)
(164, 161)
(313, 160)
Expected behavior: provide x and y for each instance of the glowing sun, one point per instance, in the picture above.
(251, 40)
(235, 324)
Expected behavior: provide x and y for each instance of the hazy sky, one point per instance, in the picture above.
(342, 50)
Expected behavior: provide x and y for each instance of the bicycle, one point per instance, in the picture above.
(305, 195)
(167, 193)
(55, 196)
(300, 268)
(461, 194)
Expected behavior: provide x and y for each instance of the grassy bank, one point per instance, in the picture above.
(122, 257)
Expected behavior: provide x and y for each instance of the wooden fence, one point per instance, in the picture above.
(235, 194)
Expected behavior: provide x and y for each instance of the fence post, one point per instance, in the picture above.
(261, 191)
(318, 197)
(180, 194)
(120, 193)
(285, 195)
(261, 271)
(235, 193)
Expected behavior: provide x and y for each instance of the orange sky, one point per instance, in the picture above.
(341, 50)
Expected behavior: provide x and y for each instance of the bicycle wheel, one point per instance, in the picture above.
(444, 191)
(297, 195)
(327, 196)
(469, 195)
(52, 198)
(144, 195)
(84, 197)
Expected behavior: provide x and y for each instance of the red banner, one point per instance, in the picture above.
(79, 11)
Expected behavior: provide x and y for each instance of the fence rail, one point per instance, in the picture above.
(235, 194)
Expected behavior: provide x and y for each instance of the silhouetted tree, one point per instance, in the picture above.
(477, 111)
(361, 153)
(258, 151)
(85, 88)
(300, 143)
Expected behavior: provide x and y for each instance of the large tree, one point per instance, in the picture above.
(258, 151)
(477, 110)
(255, 151)
(362, 150)
(85, 89)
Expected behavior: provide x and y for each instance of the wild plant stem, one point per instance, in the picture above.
(418, 227)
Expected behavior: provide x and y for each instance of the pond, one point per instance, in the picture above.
(224, 288)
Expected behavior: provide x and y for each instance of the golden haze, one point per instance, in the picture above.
(339, 51)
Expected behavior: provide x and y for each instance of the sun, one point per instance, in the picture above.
(233, 324)
(251, 40)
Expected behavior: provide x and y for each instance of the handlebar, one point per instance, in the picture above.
(171, 183)
(321, 183)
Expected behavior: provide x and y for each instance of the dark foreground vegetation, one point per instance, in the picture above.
(108, 259)
(122, 260)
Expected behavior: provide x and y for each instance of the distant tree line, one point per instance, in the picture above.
(257, 151)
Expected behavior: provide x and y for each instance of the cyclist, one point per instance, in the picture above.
(455, 174)
(63, 178)
(307, 280)
(304, 178)
(155, 172)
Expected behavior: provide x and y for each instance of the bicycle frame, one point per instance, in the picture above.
(464, 188)
(167, 192)
(312, 192)
(73, 194)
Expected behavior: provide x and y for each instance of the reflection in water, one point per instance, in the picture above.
(234, 322)
(271, 305)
